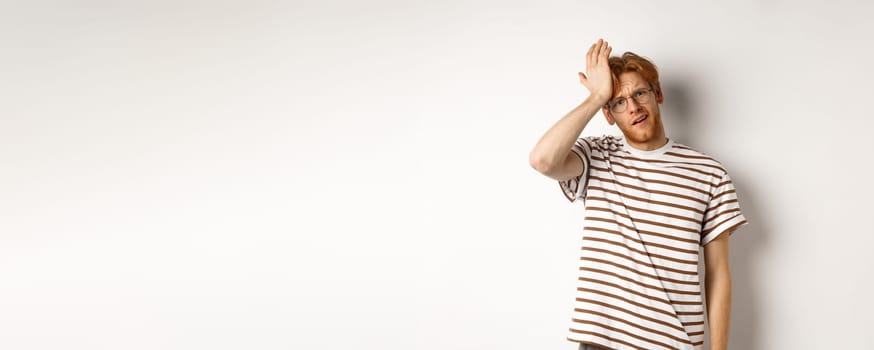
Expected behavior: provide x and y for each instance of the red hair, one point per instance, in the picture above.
(631, 62)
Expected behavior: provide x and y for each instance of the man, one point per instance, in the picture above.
(650, 204)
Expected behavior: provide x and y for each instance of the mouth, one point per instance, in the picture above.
(640, 120)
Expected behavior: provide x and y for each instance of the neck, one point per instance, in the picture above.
(651, 144)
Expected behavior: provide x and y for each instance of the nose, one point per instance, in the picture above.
(633, 106)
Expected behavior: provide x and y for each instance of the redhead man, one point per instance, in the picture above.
(651, 203)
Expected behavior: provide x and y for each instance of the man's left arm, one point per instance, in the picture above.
(717, 286)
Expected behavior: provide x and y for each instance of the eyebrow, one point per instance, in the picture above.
(632, 92)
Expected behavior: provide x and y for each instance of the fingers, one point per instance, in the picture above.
(604, 53)
(598, 52)
(596, 59)
(596, 55)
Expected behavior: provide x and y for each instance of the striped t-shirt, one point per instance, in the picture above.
(647, 213)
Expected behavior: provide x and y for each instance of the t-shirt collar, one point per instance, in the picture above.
(649, 154)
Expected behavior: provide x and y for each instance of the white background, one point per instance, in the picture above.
(338, 175)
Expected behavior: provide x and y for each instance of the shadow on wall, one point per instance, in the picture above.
(748, 243)
(679, 121)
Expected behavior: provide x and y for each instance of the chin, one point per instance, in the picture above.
(641, 135)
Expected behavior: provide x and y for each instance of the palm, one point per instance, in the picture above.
(598, 79)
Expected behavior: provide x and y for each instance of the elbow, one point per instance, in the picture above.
(717, 278)
(538, 162)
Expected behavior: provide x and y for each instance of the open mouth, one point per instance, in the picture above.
(640, 120)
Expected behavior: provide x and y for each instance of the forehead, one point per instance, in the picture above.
(629, 82)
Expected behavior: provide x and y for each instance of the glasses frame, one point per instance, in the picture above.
(610, 105)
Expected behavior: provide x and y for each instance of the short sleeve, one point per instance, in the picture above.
(575, 187)
(723, 211)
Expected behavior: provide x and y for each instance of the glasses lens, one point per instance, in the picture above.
(639, 97)
(619, 106)
(643, 96)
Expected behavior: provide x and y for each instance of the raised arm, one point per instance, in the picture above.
(552, 155)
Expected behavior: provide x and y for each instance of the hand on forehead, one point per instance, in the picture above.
(628, 83)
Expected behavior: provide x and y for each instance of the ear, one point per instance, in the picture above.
(608, 115)
(659, 96)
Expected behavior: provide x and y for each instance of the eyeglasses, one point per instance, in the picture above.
(640, 97)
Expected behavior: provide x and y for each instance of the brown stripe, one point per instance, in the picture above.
(726, 182)
(690, 324)
(732, 228)
(655, 331)
(721, 169)
(629, 312)
(632, 302)
(588, 144)
(642, 252)
(722, 194)
(641, 199)
(721, 214)
(661, 182)
(652, 233)
(665, 235)
(611, 306)
(655, 277)
(658, 288)
(647, 244)
(649, 222)
(648, 190)
(647, 211)
(712, 209)
(650, 330)
(707, 232)
(627, 290)
(643, 295)
(690, 313)
(675, 154)
(713, 175)
(682, 272)
(668, 173)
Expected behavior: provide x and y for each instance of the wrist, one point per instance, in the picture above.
(599, 100)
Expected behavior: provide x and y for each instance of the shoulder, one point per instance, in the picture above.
(683, 153)
(603, 142)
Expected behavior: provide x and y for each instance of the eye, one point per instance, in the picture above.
(639, 93)
(620, 102)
